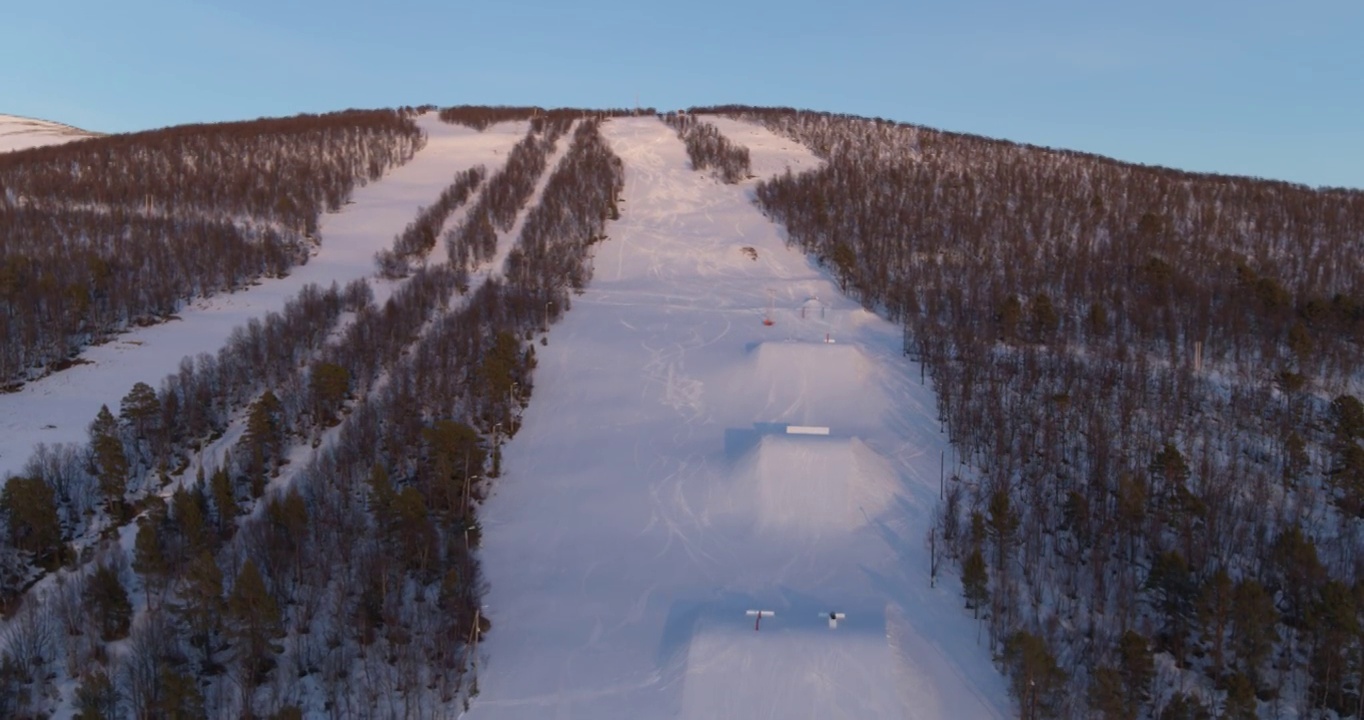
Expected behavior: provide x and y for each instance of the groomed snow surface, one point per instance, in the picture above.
(19, 133)
(59, 407)
(655, 493)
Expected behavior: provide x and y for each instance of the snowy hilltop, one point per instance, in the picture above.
(18, 133)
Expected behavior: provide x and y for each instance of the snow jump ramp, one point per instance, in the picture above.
(805, 484)
(794, 665)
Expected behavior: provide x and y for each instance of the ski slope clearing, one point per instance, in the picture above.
(19, 133)
(672, 474)
(58, 408)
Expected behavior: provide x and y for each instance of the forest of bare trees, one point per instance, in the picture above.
(474, 240)
(105, 233)
(482, 117)
(354, 584)
(419, 237)
(1152, 380)
(708, 149)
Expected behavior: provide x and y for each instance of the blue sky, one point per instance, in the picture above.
(1271, 89)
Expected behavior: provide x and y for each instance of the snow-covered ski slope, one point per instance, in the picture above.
(19, 133)
(59, 407)
(654, 494)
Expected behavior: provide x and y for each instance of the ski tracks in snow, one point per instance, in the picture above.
(629, 535)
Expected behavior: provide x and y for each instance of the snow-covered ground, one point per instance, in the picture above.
(18, 133)
(59, 407)
(654, 494)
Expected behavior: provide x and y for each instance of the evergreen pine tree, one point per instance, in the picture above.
(224, 503)
(34, 528)
(381, 492)
(107, 603)
(1137, 668)
(254, 618)
(845, 264)
(1106, 694)
(974, 581)
(149, 559)
(1043, 317)
(1002, 524)
(142, 409)
(109, 462)
(1240, 702)
(97, 697)
(263, 441)
(201, 606)
(1214, 614)
(180, 697)
(1036, 679)
(328, 385)
(1254, 629)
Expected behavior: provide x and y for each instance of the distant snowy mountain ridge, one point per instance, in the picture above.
(21, 133)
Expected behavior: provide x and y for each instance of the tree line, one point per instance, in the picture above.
(482, 117)
(1152, 379)
(106, 233)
